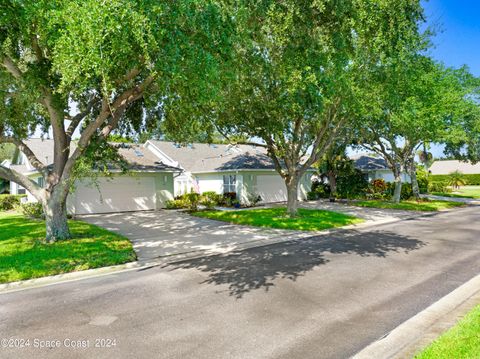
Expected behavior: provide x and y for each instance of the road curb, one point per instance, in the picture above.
(417, 332)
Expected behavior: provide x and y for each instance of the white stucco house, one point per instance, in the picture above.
(376, 168)
(160, 170)
(244, 169)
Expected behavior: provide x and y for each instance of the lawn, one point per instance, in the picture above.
(462, 192)
(307, 219)
(462, 341)
(424, 206)
(23, 254)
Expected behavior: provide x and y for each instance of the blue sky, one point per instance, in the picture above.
(456, 43)
(457, 26)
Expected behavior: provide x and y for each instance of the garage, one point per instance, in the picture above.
(271, 188)
(120, 194)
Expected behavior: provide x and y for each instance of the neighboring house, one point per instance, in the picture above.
(161, 170)
(244, 169)
(448, 166)
(4, 184)
(376, 168)
(147, 186)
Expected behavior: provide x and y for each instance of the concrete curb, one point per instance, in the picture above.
(173, 258)
(417, 332)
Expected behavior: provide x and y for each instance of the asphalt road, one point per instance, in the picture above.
(324, 297)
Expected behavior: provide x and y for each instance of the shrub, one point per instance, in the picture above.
(176, 204)
(212, 196)
(318, 190)
(439, 187)
(456, 179)
(10, 201)
(253, 199)
(33, 210)
(378, 189)
(406, 193)
(351, 183)
(422, 179)
(193, 199)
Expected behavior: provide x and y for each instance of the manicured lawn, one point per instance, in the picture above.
(462, 341)
(426, 206)
(462, 192)
(23, 255)
(307, 220)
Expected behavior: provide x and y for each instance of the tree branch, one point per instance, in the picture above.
(24, 181)
(11, 67)
(32, 158)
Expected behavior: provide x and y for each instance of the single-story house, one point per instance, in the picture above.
(161, 170)
(147, 186)
(376, 168)
(448, 166)
(244, 169)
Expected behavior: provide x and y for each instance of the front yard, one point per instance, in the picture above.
(462, 341)
(424, 205)
(23, 255)
(307, 219)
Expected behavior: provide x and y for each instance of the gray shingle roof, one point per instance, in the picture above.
(202, 157)
(369, 163)
(138, 157)
(447, 167)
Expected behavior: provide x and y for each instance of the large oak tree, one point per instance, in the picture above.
(95, 66)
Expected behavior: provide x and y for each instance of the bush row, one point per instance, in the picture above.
(210, 200)
(473, 180)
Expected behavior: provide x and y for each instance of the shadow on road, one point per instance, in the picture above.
(257, 268)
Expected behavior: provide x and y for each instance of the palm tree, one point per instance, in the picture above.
(456, 179)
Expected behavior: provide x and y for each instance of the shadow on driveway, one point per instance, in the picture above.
(258, 267)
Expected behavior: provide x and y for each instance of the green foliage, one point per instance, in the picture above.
(32, 210)
(378, 189)
(351, 183)
(439, 187)
(6, 151)
(307, 219)
(318, 190)
(180, 203)
(423, 179)
(456, 179)
(470, 179)
(10, 201)
(407, 191)
(24, 255)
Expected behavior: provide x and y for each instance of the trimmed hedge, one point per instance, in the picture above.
(472, 180)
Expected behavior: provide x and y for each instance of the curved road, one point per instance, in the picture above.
(322, 297)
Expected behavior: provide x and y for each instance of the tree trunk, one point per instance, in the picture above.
(398, 185)
(332, 182)
(292, 196)
(413, 177)
(56, 217)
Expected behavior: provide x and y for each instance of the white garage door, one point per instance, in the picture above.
(271, 188)
(120, 194)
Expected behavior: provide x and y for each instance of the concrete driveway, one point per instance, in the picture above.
(164, 233)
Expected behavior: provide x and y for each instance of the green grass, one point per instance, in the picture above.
(463, 192)
(307, 219)
(462, 341)
(24, 255)
(424, 206)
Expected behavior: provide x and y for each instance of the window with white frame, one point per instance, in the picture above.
(21, 190)
(229, 183)
(40, 182)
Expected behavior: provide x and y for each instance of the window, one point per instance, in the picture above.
(21, 190)
(40, 181)
(229, 183)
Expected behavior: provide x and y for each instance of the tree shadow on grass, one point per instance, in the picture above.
(255, 268)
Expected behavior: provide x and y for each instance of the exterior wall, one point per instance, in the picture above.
(386, 175)
(210, 182)
(163, 189)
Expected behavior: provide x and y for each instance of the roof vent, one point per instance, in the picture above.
(177, 145)
(138, 153)
(190, 145)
